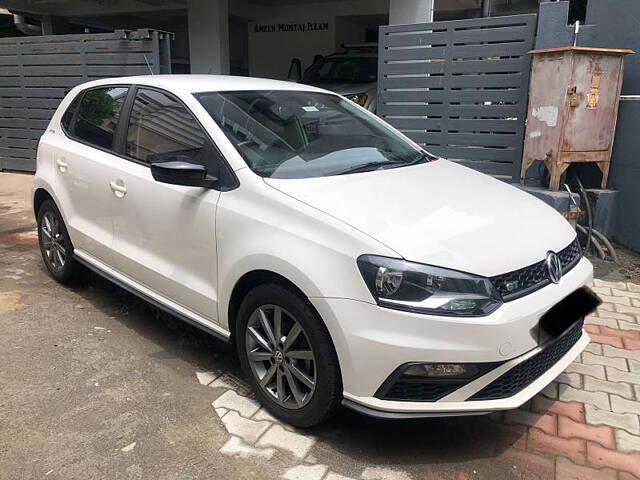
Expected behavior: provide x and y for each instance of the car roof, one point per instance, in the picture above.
(193, 83)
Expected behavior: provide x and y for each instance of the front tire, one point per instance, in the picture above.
(55, 244)
(287, 355)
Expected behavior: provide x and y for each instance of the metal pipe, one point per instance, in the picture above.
(587, 206)
(21, 24)
(594, 242)
(607, 243)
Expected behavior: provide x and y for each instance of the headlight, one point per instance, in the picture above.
(359, 98)
(426, 289)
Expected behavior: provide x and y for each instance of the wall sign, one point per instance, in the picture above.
(292, 27)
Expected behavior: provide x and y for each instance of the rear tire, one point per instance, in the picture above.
(55, 244)
(297, 376)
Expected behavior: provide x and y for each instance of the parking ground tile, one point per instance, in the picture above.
(245, 428)
(605, 320)
(567, 428)
(626, 421)
(232, 401)
(604, 457)
(604, 283)
(610, 351)
(622, 405)
(587, 369)
(627, 442)
(235, 447)
(573, 410)
(624, 325)
(546, 423)
(567, 470)
(615, 375)
(335, 476)
(597, 399)
(305, 472)
(618, 388)
(295, 443)
(573, 448)
(383, 473)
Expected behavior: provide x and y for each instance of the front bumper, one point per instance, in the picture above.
(371, 342)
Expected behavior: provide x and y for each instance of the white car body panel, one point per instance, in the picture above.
(77, 175)
(415, 211)
(164, 237)
(186, 248)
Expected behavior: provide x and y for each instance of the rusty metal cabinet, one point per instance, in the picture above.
(573, 105)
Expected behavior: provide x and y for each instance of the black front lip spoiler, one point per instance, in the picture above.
(372, 412)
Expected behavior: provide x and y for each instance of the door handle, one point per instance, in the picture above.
(62, 164)
(118, 189)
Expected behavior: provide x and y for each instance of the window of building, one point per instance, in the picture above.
(98, 115)
(161, 128)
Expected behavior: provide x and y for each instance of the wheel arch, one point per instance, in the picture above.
(41, 195)
(248, 282)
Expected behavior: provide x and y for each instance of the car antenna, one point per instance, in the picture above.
(146, 60)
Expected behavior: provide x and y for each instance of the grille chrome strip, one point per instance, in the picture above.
(521, 282)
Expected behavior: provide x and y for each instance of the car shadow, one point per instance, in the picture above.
(362, 439)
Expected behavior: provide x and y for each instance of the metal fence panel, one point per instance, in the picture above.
(36, 73)
(460, 87)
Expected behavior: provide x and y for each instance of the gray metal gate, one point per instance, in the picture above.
(36, 72)
(459, 88)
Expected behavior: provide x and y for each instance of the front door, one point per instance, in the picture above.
(164, 235)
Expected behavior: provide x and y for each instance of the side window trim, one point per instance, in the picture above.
(74, 116)
(125, 117)
(71, 134)
(123, 124)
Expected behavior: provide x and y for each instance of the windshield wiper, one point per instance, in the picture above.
(370, 166)
(367, 167)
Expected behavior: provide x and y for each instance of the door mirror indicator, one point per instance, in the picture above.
(178, 171)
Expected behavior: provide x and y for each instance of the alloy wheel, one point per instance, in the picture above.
(53, 241)
(281, 356)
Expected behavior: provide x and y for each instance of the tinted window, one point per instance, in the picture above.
(98, 115)
(286, 134)
(161, 128)
(68, 114)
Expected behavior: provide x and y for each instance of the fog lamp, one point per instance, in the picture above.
(441, 370)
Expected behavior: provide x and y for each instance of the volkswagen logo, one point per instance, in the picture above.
(554, 268)
(278, 357)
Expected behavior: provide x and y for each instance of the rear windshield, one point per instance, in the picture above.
(292, 134)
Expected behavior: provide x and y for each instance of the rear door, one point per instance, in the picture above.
(83, 160)
(164, 235)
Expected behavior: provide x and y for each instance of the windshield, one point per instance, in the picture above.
(342, 70)
(291, 134)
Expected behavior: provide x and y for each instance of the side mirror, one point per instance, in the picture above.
(178, 171)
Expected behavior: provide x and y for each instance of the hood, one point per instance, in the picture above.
(440, 213)
(347, 88)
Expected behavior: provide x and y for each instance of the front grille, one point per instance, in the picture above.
(525, 373)
(525, 280)
(409, 390)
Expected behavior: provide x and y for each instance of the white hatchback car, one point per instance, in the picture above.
(345, 264)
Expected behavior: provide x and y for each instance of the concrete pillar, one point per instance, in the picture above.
(410, 11)
(52, 25)
(209, 36)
